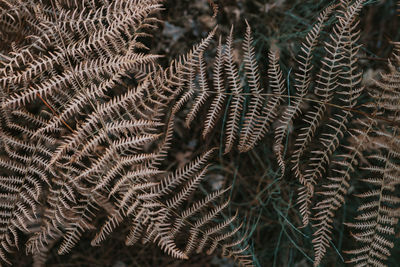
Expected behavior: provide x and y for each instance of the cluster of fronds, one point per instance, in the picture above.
(378, 217)
(334, 136)
(87, 119)
(80, 136)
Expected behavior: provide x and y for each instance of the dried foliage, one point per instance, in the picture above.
(88, 119)
(97, 141)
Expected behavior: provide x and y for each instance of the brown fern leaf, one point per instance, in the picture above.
(66, 65)
(204, 92)
(236, 101)
(22, 175)
(259, 114)
(378, 214)
(270, 109)
(337, 188)
(257, 100)
(159, 216)
(302, 83)
(334, 192)
(343, 37)
(186, 71)
(218, 101)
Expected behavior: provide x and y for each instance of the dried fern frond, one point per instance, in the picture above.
(226, 81)
(235, 86)
(302, 83)
(378, 213)
(253, 79)
(270, 109)
(22, 175)
(333, 81)
(218, 101)
(69, 62)
(172, 220)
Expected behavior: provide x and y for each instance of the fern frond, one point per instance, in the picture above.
(232, 125)
(204, 92)
(257, 100)
(343, 39)
(270, 109)
(218, 101)
(302, 84)
(378, 213)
